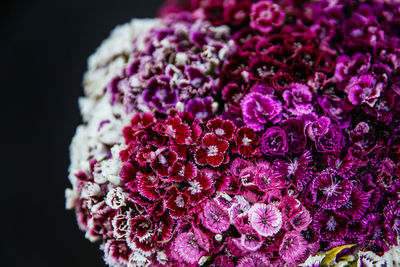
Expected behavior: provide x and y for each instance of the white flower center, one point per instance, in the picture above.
(219, 131)
(246, 141)
(331, 224)
(179, 202)
(195, 187)
(212, 151)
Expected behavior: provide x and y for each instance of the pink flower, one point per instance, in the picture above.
(239, 208)
(187, 247)
(116, 252)
(212, 150)
(266, 179)
(301, 220)
(293, 247)
(253, 260)
(265, 219)
(222, 128)
(265, 16)
(364, 89)
(215, 218)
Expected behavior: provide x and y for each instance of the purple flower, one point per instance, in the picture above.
(274, 142)
(201, 108)
(293, 247)
(294, 130)
(318, 127)
(259, 109)
(298, 99)
(329, 192)
(377, 235)
(357, 204)
(332, 226)
(215, 218)
(297, 170)
(265, 219)
(159, 93)
(364, 89)
(331, 141)
(265, 16)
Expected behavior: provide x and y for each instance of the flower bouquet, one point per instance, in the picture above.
(244, 133)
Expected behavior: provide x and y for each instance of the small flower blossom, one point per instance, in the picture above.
(274, 142)
(259, 109)
(293, 247)
(159, 93)
(364, 89)
(187, 248)
(246, 141)
(265, 16)
(298, 99)
(222, 128)
(212, 151)
(215, 218)
(265, 219)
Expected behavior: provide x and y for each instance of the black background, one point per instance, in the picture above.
(44, 46)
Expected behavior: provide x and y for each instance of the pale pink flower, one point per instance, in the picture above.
(292, 247)
(265, 219)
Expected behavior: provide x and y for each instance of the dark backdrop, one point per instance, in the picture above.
(44, 46)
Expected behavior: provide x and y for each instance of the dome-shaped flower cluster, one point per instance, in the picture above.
(243, 133)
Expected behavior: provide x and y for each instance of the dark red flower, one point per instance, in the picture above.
(222, 128)
(181, 171)
(174, 127)
(177, 203)
(247, 141)
(146, 185)
(163, 160)
(212, 150)
(199, 187)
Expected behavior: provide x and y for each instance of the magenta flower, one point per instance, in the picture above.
(298, 98)
(301, 220)
(265, 219)
(274, 142)
(266, 179)
(201, 108)
(293, 247)
(329, 192)
(179, 171)
(239, 208)
(364, 89)
(187, 247)
(177, 203)
(357, 204)
(212, 150)
(215, 218)
(265, 16)
(318, 127)
(259, 109)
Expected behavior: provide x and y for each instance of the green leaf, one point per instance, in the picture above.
(331, 255)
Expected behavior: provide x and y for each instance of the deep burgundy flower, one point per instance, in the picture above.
(180, 171)
(212, 150)
(274, 142)
(177, 203)
(332, 227)
(294, 130)
(265, 16)
(199, 187)
(247, 141)
(159, 93)
(236, 14)
(164, 158)
(259, 109)
(331, 141)
(357, 205)
(377, 235)
(174, 127)
(329, 192)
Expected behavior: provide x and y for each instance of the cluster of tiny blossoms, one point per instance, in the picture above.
(247, 133)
